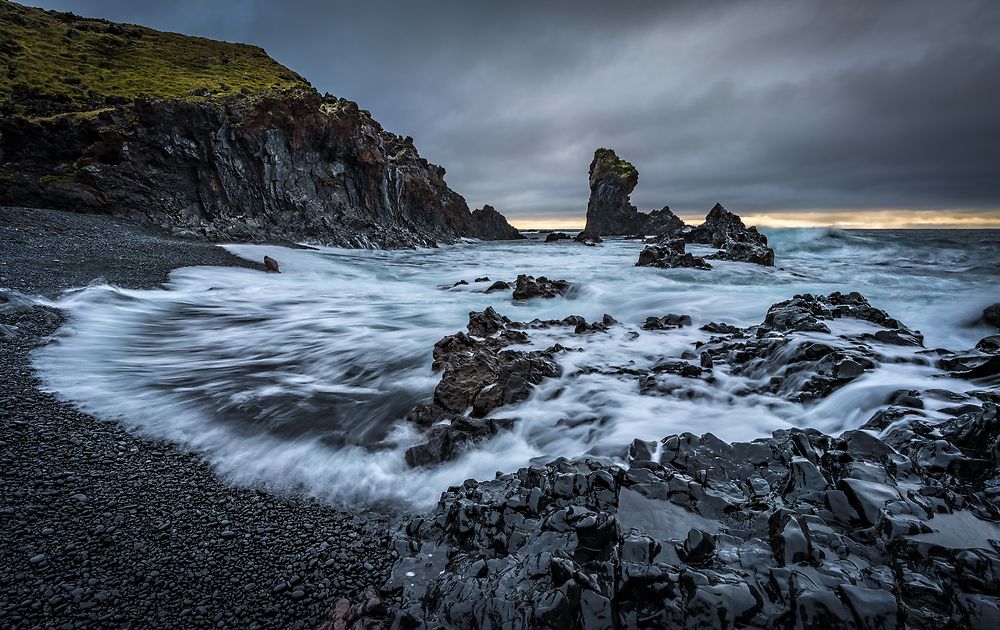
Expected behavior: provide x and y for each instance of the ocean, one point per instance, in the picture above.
(301, 380)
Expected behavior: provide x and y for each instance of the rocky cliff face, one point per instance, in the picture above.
(280, 165)
(490, 225)
(206, 139)
(609, 212)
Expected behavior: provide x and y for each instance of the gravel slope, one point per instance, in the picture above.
(103, 528)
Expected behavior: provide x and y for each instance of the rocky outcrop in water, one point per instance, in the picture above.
(587, 238)
(737, 242)
(552, 237)
(609, 211)
(991, 315)
(896, 524)
(527, 287)
(490, 225)
(669, 254)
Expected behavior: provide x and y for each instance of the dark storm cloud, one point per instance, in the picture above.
(760, 105)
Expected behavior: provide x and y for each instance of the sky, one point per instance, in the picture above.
(852, 113)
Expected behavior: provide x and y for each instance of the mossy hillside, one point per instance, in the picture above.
(53, 63)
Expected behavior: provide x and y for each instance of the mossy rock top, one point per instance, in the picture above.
(607, 164)
(55, 63)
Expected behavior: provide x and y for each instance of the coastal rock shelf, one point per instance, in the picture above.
(800, 529)
(895, 523)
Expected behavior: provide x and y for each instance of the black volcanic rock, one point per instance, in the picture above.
(737, 242)
(991, 315)
(527, 287)
(490, 225)
(670, 254)
(250, 167)
(587, 238)
(697, 532)
(552, 237)
(609, 212)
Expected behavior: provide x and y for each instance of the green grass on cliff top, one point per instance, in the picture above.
(54, 62)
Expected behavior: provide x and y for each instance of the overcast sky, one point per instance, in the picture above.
(763, 106)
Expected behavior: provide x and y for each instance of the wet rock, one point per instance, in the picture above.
(271, 265)
(479, 374)
(667, 322)
(726, 231)
(991, 315)
(552, 237)
(499, 285)
(527, 287)
(702, 537)
(587, 238)
(670, 255)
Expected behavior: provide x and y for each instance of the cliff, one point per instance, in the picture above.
(206, 139)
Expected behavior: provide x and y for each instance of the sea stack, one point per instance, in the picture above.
(609, 211)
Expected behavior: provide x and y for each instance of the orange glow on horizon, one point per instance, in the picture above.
(846, 219)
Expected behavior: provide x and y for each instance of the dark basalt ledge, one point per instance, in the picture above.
(895, 524)
(267, 166)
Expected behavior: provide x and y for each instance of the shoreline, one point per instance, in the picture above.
(105, 527)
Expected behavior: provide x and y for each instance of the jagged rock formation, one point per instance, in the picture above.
(609, 212)
(737, 242)
(896, 524)
(527, 287)
(669, 253)
(259, 160)
(800, 529)
(490, 225)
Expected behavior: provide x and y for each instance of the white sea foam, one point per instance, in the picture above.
(290, 379)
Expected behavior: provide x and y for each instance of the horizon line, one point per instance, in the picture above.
(874, 219)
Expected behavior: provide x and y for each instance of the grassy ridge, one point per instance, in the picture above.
(53, 63)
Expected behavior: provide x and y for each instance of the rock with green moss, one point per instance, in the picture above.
(610, 213)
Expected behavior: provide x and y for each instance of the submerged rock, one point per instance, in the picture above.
(609, 211)
(726, 231)
(271, 265)
(527, 287)
(991, 315)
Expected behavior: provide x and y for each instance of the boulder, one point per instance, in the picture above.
(552, 237)
(991, 315)
(670, 254)
(527, 287)
(271, 265)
